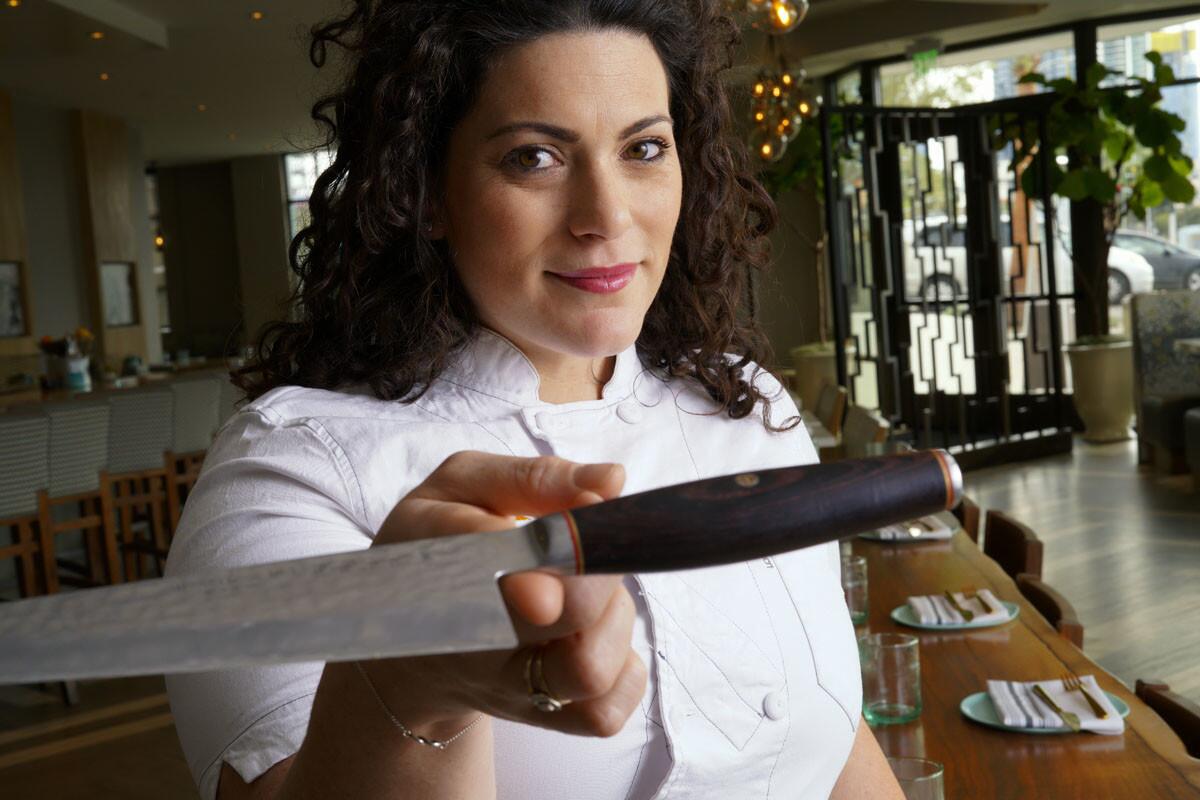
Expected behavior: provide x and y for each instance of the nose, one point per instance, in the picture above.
(599, 203)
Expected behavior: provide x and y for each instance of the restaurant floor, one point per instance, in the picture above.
(1122, 544)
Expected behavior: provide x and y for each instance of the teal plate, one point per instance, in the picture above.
(905, 616)
(978, 708)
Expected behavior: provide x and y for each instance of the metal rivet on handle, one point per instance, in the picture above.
(746, 480)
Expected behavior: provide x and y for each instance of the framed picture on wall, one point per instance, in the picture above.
(12, 300)
(119, 292)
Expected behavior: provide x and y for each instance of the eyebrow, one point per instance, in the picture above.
(567, 135)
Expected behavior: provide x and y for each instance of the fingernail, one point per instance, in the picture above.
(591, 474)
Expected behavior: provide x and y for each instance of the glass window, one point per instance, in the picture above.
(849, 88)
(12, 300)
(979, 75)
(1123, 48)
(120, 296)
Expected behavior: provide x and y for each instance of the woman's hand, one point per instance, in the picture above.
(584, 623)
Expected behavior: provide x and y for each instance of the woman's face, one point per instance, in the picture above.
(562, 190)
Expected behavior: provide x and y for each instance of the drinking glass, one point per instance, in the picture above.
(891, 676)
(854, 585)
(920, 778)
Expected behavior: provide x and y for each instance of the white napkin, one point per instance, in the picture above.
(935, 609)
(1019, 707)
(902, 531)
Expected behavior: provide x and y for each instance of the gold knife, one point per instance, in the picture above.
(966, 614)
(1071, 719)
(982, 601)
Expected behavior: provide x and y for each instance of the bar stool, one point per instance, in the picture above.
(139, 433)
(1180, 714)
(24, 471)
(1012, 545)
(1053, 606)
(78, 455)
(197, 415)
(967, 514)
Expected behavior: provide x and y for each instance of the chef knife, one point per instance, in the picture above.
(439, 595)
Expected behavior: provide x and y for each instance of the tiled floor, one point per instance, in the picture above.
(1121, 544)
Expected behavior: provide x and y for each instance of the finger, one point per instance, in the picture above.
(587, 664)
(607, 715)
(513, 485)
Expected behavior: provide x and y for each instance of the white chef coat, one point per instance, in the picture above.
(754, 687)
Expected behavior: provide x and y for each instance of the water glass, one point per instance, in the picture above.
(891, 676)
(920, 778)
(854, 585)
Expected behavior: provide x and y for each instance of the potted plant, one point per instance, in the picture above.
(1124, 156)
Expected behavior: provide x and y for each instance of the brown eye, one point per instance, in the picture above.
(646, 150)
(532, 159)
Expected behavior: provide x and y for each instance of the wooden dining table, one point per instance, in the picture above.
(1146, 761)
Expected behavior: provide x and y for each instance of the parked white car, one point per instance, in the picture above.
(935, 264)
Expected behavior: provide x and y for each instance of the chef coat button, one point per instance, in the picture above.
(630, 412)
(773, 706)
(546, 421)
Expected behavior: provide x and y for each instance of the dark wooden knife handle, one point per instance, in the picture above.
(757, 514)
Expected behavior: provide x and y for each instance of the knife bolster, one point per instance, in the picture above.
(555, 539)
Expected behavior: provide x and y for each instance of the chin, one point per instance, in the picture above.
(604, 334)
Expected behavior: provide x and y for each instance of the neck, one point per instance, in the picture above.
(567, 379)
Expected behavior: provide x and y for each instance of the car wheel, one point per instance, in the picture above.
(940, 288)
(1118, 287)
(1192, 281)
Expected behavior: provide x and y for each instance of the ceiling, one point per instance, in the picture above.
(256, 85)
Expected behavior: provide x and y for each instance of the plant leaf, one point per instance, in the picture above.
(1178, 188)
(1073, 186)
(1157, 168)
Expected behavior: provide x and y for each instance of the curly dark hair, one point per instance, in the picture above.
(380, 303)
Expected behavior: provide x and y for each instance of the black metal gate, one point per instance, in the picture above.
(951, 291)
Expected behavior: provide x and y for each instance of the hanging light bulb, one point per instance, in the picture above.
(779, 16)
(768, 145)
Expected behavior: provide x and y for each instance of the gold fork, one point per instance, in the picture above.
(1072, 720)
(1071, 682)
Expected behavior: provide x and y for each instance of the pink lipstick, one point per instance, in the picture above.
(601, 280)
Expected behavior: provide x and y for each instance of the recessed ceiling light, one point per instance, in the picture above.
(14, 3)
(103, 76)
(233, 137)
(256, 15)
(97, 35)
(202, 107)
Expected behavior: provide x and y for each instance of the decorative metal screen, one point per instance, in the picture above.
(950, 287)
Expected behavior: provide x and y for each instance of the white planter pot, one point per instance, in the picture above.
(1103, 378)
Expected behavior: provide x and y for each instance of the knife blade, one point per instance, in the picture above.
(439, 595)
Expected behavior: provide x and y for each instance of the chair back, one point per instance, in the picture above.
(197, 412)
(1053, 606)
(1012, 545)
(140, 430)
(831, 407)
(1180, 714)
(863, 427)
(24, 462)
(967, 514)
(78, 445)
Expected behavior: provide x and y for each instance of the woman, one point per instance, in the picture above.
(520, 289)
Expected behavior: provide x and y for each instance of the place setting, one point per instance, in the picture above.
(1069, 704)
(955, 611)
(923, 529)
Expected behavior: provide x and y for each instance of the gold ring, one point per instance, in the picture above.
(539, 693)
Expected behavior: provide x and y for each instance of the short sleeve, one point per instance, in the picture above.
(270, 490)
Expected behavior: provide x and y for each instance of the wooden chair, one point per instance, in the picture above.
(864, 427)
(1053, 606)
(1180, 714)
(139, 433)
(24, 471)
(75, 500)
(831, 408)
(967, 514)
(197, 415)
(1012, 545)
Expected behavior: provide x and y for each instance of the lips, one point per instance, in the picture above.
(600, 280)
